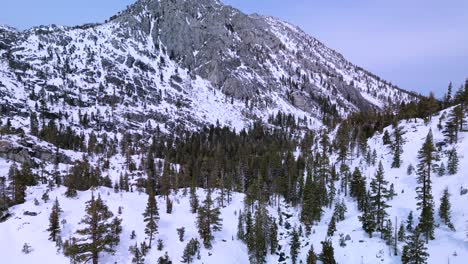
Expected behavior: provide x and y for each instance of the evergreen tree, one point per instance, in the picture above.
(17, 184)
(240, 227)
(328, 253)
(368, 217)
(386, 138)
(97, 236)
(191, 250)
(295, 245)
(311, 256)
(193, 200)
(208, 220)
(409, 222)
(151, 217)
(448, 95)
(138, 257)
(33, 124)
(427, 156)
(331, 226)
(54, 223)
(358, 188)
(401, 232)
(452, 164)
(164, 259)
(414, 252)
(444, 209)
(273, 237)
(397, 146)
(379, 193)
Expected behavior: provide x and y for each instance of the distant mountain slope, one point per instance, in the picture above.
(182, 64)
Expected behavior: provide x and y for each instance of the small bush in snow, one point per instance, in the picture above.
(27, 248)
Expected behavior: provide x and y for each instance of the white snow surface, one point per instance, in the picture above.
(449, 245)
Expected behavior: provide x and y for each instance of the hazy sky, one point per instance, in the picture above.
(419, 45)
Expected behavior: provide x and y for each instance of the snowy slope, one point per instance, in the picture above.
(448, 245)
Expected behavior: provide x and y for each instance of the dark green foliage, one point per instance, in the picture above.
(54, 223)
(181, 233)
(151, 217)
(18, 184)
(261, 235)
(311, 256)
(240, 227)
(409, 222)
(273, 237)
(397, 146)
(415, 251)
(379, 194)
(452, 164)
(82, 177)
(160, 245)
(191, 250)
(138, 257)
(208, 220)
(98, 235)
(386, 138)
(340, 210)
(164, 259)
(295, 245)
(331, 226)
(444, 209)
(427, 155)
(358, 188)
(401, 233)
(194, 204)
(328, 253)
(368, 217)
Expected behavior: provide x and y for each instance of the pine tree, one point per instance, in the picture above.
(240, 227)
(368, 217)
(427, 156)
(452, 164)
(448, 95)
(164, 259)
(331, 226)
(386, 138)
(444, 209)
(208, 220)
(54, 223)
(191, 250)
(397, 147)
(194, 204)
(311, 257)
(34, 124)
(409, 222)
(379, 193)
(258, 238)
(358, 188)
(181, 233)
(18, 184)
(415, 251)
(295, 245)
(273, 237)
(401, 232)
(98, 235)
(151, 217)
(328, 253)
(138, 257)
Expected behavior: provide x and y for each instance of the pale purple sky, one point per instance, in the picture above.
(419, 45)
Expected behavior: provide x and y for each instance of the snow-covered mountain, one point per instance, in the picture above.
(144, 80)
(183, 64)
